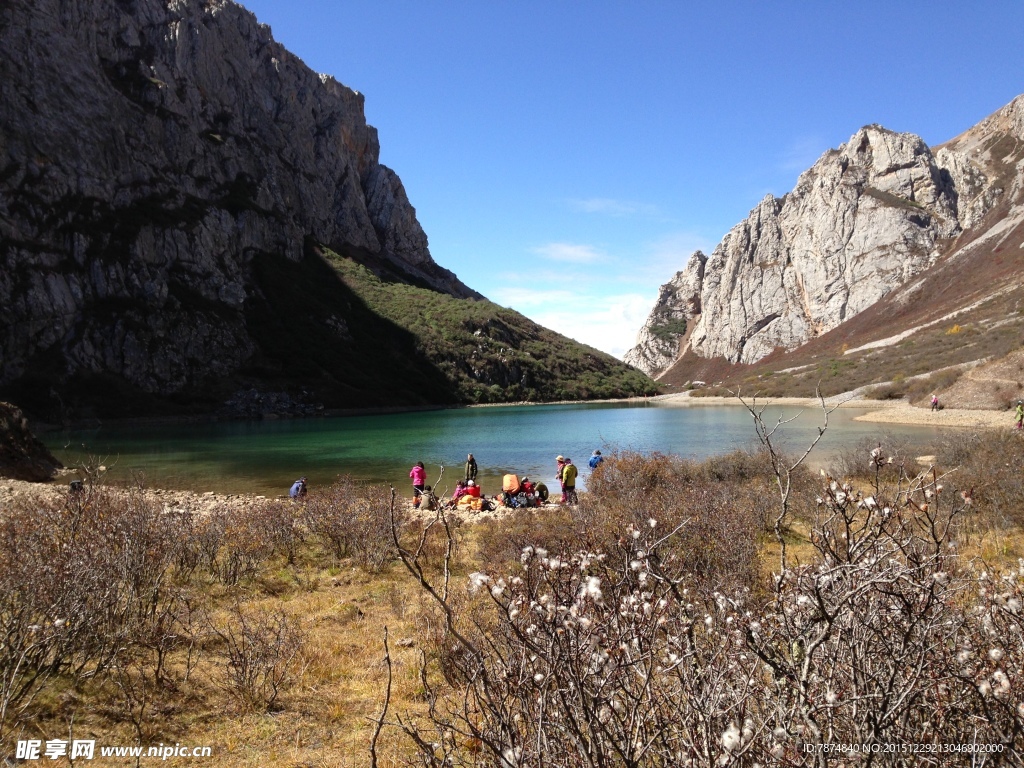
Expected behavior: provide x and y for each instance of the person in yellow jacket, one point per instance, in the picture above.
(569, 473)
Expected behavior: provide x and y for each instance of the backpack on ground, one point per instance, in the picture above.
(510, 484)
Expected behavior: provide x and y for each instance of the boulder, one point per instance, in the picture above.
(22, 455)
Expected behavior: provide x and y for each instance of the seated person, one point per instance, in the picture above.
(458, 493)
(472, 489)
(526, 486)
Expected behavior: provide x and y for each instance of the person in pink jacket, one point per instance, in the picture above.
(419, 479)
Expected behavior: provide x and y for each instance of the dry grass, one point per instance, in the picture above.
(323, 718)
(323, 715)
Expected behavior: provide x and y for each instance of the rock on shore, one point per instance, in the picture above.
(22, 455)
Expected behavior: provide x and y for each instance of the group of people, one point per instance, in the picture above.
(515, 491)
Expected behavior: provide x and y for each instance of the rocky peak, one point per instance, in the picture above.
(663, 337)
(865, 219)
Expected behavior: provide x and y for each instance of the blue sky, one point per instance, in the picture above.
(566, 157)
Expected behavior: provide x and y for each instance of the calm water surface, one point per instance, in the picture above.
(266, 456)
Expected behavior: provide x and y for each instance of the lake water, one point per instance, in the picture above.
(266, 456)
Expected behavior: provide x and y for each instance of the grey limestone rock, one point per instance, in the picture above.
(863, 221)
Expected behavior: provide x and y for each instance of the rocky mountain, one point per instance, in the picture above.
(879, 214)
(169, 176)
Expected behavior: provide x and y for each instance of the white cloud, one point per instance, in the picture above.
(608, 322)
(572, 252)
(618, 208)
(606, 299)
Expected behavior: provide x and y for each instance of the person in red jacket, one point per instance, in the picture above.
(472, 489)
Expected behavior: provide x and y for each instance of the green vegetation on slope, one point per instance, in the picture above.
(491, 354)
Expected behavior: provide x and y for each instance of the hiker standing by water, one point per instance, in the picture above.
(470, 468)
(560, 463)
(569, 473)
(596, 459)
(419, 479)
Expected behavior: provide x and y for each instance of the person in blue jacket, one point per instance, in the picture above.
(596, 459)
(298, 489)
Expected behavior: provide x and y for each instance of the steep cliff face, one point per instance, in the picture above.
(664, 336)
(162, 163)
(864, 220)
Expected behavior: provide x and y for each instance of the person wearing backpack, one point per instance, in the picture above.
(569, 473)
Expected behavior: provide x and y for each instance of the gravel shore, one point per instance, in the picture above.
(879, 411)
(904, 413)
(177, 501)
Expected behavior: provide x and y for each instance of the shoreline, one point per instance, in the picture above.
(880, 411)
(877, 411)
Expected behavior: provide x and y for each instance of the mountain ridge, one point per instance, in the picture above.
(869, 221)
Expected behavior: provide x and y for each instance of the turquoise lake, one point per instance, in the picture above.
(266, 456)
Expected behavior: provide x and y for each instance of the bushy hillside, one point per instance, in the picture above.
(488, 353)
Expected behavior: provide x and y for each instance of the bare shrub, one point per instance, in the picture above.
(244, 548)
(438, 546)
(989, 470)
(860, 461)
(502, 541)
(718, 509)
(352, 520)
(279, 525)
(333, 515)
(81, 578)
(887, 637)
(374, 547)
(262, 650)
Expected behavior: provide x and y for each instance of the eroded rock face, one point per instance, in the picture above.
(149, 151)
(864, 220)
(663, 337)
(22, 455)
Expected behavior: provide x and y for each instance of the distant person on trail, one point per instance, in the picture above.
(470, 468)
(935, 402)
(596, 459)
(569, 473)
(419, 479)
(298, 489)
(1020, 414)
